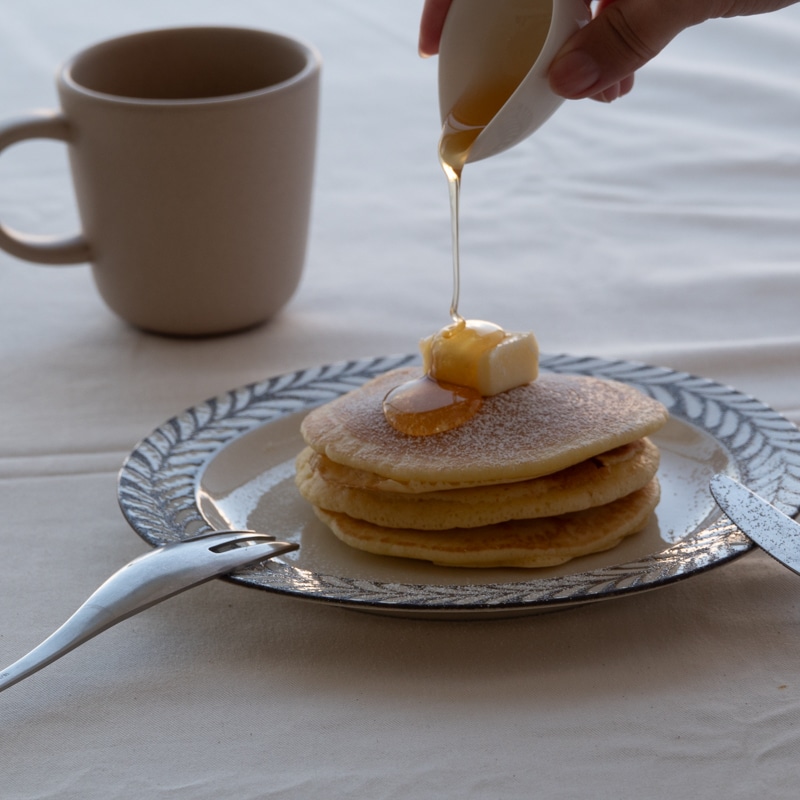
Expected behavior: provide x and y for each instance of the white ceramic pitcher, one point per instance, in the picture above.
(495, 45)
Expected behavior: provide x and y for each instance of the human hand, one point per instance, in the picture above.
(600, 60)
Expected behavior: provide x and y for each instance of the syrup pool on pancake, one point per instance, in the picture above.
(463, 363)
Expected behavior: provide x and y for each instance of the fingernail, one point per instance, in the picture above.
(573, 74)
(609, 95)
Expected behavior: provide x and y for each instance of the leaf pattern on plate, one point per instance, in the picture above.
(159, 479)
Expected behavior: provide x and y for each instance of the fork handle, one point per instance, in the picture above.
(85, 623)
(145, 581)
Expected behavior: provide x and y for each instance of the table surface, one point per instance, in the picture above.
(664, 227)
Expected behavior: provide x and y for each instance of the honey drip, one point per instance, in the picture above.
(425, 406)
(462, 126)
(454, 147)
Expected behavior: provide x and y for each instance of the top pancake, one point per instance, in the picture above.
(533, 430)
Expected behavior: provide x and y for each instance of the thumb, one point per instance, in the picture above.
(624, 35)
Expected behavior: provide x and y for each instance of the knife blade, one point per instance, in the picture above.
(771, 529)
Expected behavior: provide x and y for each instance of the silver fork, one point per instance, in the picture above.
(155, 576)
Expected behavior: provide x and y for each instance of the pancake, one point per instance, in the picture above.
(536, 543)
(597, 481)
(537, 429)
(543, 473)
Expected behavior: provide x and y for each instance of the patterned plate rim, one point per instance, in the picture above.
(158, 482)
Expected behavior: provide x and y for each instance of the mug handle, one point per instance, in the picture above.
(41, 249)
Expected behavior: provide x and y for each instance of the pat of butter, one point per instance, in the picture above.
(481, 355)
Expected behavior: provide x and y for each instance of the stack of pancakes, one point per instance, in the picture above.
(546, 472)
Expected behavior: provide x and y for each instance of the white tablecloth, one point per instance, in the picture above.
(664, 228)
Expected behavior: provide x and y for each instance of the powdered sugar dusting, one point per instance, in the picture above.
(550, 424)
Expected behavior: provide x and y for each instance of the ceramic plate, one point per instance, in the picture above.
(228, 463)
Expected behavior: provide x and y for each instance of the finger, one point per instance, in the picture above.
(623, 36)
(431, 24)
(613, 92)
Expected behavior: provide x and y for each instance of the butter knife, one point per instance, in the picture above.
(771, 529)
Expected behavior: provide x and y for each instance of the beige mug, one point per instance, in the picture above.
(192, 157)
